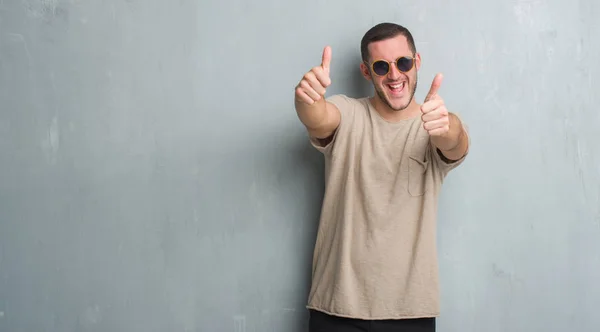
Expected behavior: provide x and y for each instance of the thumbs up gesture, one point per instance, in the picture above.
(314, 83)
(435, 116)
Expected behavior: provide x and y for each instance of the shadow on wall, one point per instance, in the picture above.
(297, 178)
(265, 193)
(359, 87)
(262, 197)
(348, 80)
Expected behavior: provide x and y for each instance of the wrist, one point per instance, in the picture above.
(451, 139)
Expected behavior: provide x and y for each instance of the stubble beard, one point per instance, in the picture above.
(383, 97)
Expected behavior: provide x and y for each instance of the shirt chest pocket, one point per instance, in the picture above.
(418, 164)
(417, 168)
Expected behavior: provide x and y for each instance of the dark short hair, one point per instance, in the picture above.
(383, 31)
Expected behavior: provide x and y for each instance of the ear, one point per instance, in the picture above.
(365, 71)
(418, 61)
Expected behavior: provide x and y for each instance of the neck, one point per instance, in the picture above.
(413, 109)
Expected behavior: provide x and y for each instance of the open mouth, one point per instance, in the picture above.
(396, 88)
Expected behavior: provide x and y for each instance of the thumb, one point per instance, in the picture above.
(326, 62)
(435, 85)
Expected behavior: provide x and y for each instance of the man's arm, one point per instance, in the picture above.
(445, 129)
(455, 142)
(320, 117)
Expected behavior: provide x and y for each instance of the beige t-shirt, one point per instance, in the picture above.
(375, 254)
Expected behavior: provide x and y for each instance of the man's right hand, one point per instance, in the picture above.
(320, 117)
(313, 85)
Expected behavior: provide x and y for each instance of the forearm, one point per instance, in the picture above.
(320, 118)
(312, 116)
(454, 143)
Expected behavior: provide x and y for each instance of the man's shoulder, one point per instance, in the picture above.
(346, 103)
(351, 111)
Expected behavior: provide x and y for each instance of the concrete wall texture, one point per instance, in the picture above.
(154, 175)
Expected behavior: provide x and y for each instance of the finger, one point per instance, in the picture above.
(431, 105)
(322, 76)
(326, 61)
(302, 96)
(438, 131)
(436, 124)
(314, 95)
(435, 85)
(433, 116)
(315, 84)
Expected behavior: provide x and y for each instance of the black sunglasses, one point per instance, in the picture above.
(382, 67)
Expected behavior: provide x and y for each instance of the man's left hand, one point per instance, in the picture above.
(435, 116)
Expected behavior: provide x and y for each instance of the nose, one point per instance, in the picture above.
(394, 72)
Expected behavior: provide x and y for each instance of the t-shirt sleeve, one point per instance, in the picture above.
(442, 163)
(345, 106)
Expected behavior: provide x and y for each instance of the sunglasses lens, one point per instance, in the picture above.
(405, 64)
(381, 67)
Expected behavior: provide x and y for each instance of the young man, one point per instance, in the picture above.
(375, 263)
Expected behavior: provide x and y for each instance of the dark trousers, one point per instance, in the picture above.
(321, 322)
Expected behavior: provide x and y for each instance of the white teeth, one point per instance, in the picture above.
(397, 86)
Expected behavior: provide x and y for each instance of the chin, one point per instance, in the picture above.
(396, 104)
(399, 105)
(399, 109)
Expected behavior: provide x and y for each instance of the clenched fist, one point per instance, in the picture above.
(435, 115)
(314, 83)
